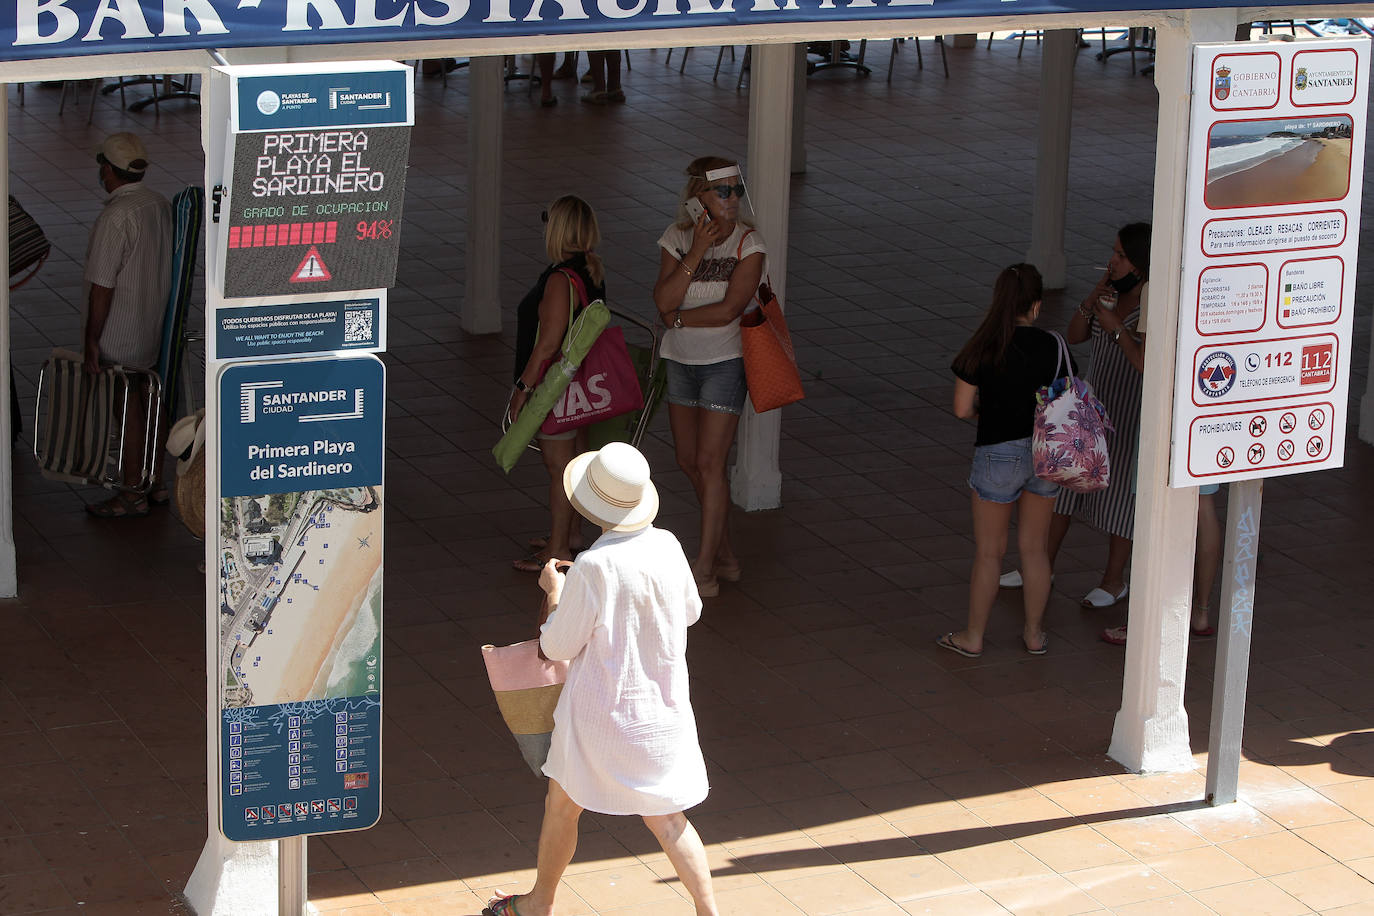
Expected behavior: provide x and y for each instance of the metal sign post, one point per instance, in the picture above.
(1271, 230)
(1235, 616)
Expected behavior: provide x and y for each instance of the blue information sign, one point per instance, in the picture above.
(61, 28)
(299, 555)
(299, 328)
(302, 425)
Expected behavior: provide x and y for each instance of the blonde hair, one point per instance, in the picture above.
(572, 229)
(696, 183)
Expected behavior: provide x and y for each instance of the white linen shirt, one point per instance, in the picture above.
(130, 251)
(624, 736)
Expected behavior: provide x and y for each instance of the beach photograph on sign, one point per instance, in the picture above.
(1278, 161)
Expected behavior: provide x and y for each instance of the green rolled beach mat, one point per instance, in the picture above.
(582, 333)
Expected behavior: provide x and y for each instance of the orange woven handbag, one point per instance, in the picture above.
(770, 366)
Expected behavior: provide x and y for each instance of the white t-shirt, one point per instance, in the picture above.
(701, 346)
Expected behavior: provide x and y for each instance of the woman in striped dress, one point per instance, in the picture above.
(1117, 383)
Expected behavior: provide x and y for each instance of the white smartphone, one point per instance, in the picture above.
(695, 208)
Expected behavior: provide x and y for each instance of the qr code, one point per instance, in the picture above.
(358, 327)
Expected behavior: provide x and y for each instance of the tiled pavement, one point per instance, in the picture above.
(855, 767)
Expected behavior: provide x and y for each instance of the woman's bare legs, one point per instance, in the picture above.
(1118, 555)
(557, 844)
(1032, 539)
(680, 841)
(1207, 560)
(556, 454)
(701, 440)
(990, 523)
(1059, 526)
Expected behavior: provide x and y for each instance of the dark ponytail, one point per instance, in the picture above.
(1015, 293)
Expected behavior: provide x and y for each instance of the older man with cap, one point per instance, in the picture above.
(128, 276)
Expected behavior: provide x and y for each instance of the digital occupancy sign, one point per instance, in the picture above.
(318, 181)
(1271, 232)
(299, 589)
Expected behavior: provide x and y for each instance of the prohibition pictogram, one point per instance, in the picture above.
(1314, 446)
(1225, 456)
(1258, 425)
(1255, 454)
(1316, 418)
(1285, 449)
(1287, 422)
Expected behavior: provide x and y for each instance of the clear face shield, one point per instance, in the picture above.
(726, 197)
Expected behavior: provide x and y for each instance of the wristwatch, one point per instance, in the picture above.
(1116, 335)
(521, 386)
(677, 318)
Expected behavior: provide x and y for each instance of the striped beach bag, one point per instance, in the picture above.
(527, 688)
(73, 439)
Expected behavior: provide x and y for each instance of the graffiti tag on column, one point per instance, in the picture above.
(1243, 563)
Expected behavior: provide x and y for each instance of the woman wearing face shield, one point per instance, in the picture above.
(710, 265)
(1112, 315)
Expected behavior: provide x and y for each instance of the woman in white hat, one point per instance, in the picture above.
(624, 736)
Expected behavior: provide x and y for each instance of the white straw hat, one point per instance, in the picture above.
(611, 487)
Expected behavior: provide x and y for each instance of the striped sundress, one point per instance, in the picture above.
(1117, 385)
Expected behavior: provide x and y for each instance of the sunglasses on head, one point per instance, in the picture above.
(543, 216)
(724, 191)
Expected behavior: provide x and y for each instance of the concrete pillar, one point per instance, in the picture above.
(1051, 194)
(755, 481)
(9, 574)
(481, 309)
(799, 109)
(1151, 732)
(1367, 402)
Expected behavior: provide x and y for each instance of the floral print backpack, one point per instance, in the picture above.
(1069, 445)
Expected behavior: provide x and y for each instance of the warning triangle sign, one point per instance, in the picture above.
(311, 268)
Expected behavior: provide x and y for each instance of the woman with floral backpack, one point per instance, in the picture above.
(997, 375)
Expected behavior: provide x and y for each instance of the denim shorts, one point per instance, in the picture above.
(1001, 472)
(713, 386)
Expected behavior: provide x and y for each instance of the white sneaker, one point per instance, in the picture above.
(1010, 579)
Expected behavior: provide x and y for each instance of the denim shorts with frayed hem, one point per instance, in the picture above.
(713, 386)
(1003, 471)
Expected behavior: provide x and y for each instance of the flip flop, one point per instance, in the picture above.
(1115, 635)
(1100, 597)
(502, 905)
(119, 506)
(947, 642)
(728, 573)
(532, 563)
(1203, 633)
(707, 588)
(1044, 645)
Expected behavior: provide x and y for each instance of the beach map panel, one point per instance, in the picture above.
(300, 597)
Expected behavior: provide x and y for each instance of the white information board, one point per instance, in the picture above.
(1271, 234)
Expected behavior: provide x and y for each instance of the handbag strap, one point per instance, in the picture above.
(1063, 358)
(767, 281)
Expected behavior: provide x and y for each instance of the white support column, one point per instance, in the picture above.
(755, 481)
(1151, 732)
(481, 310)
(799, 109)
(230, 879)
(9, 573)
(1051, 195)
